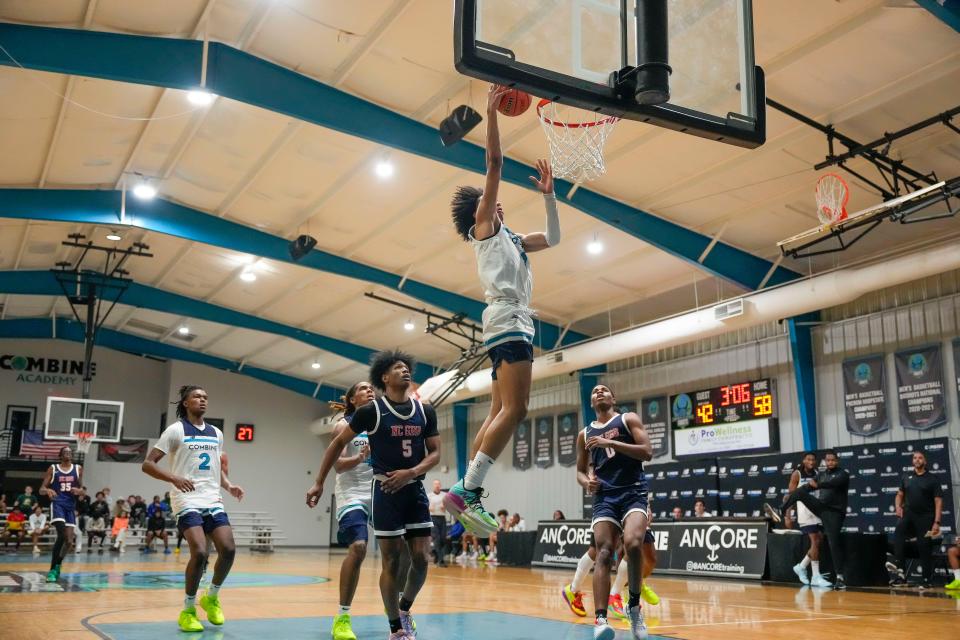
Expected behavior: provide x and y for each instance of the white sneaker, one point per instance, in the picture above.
(36, 550)
(603, 631)
(819, 581)
(801, 573)
(406, 620)
(637, 626)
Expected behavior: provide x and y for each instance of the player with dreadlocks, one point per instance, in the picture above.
(195, 472)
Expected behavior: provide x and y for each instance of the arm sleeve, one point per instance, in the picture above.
(364, 418)
(431, 415)
(553, 219)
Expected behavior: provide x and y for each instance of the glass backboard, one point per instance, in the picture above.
(567, 51)
(68, 416)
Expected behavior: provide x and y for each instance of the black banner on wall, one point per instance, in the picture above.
(567, 430)
(543, 442)
(521, 446)
(920, 387)
(561, 543)
(654, 417)
(627, 407)
(864, 397)
(711, 548)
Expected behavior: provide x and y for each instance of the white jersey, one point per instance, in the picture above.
(805, 517)
(353, 486)
(194, 454)
(504, 271)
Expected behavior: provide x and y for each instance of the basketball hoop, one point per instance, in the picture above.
(832, 197)
(84, 442)
(576, 147)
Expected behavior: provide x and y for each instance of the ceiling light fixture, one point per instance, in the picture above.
(315, 365)
(384, 169)
(409, 326)
(248, 276)
(144, 190)
(200, 97)
(114, 236)
(595, 246)
(183, 330)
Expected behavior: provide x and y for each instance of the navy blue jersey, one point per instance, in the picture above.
(397, 433)
(614, 470)
(62, 482)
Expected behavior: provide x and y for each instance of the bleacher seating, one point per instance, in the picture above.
(254, 529)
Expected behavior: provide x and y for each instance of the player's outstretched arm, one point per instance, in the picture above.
(541, 240)
(487, 223)
(340, 440)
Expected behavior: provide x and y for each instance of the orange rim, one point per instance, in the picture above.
(573, 125)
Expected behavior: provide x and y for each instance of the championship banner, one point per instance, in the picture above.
(123, 451)
(627, 407)
(711, 548)
(567, 439)
(920, 387)
(543, 442)
(653, 414)
(561, 543)
(521, 446)
(864, 398)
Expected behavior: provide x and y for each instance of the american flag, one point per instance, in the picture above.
(33, 444)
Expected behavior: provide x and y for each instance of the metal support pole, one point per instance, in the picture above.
(90, 332)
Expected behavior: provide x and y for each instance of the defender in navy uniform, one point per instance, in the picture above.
(62, 484)
(404, 445)
(615, 446)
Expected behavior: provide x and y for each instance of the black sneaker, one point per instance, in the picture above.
(924, 584)
(898, 580)
(772, 513)
(840, 584)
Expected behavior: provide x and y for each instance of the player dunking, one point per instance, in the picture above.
(196, 474)
(62, 484)
(615, 445)
(508, 330)
(404, 445)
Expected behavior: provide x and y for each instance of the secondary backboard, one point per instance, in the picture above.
(68, 416)
(566, 50)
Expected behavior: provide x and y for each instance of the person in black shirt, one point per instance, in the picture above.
(83, 512)
(404, 445)
(830, 507)
(918, 503)
(157, 528)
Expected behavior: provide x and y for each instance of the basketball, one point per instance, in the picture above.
(514, 103)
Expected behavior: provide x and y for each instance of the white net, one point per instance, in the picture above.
(832, 196)
(84, 442)
(576, 145)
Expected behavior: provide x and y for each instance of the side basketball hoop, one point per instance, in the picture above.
(576, 146)
(84, 442)
(832, 197)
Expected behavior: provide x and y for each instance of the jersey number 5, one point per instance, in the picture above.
(407, 449)
(204, 462)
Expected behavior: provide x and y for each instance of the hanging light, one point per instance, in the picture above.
(315, 365)
(595, 247)
(408, 325)
(200, 97)
(144, 190)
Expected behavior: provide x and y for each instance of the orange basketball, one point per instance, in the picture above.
(514, 103)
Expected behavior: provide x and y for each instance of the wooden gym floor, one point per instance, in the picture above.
(293, 594)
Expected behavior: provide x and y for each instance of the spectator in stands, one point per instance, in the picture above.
(700, 509)
(38, 527)
(26, 500)
(121, 522)
(166, 495)
(3, 503)
(918, 504)
(15, 520)
(438, 514)
(558, 515)
(517, 523)
(157, 528)
(83, 512)
(106, 494)
(99, 507)
(454, 535)
(157, 505)
(502, 519)
(97, 523)
(138, 512)
(677, 514)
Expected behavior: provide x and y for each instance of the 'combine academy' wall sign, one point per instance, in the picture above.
(41, 370)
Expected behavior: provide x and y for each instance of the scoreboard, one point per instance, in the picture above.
(737, 418)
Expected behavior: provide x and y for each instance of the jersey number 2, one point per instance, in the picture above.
(204, 462)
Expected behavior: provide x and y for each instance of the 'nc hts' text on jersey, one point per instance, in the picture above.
(406, 430)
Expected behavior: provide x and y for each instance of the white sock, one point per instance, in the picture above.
(190, 602)
(816, 567)
(213, 589)
(344, 609)
(477, 471)
(956, 574)
(805, 562)
(583, 570)
(621, 580)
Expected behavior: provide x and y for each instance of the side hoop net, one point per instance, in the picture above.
(832, 197)
(84, 442)
(576, 146)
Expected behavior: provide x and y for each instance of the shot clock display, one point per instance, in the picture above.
(738, 417)
(244, 433)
